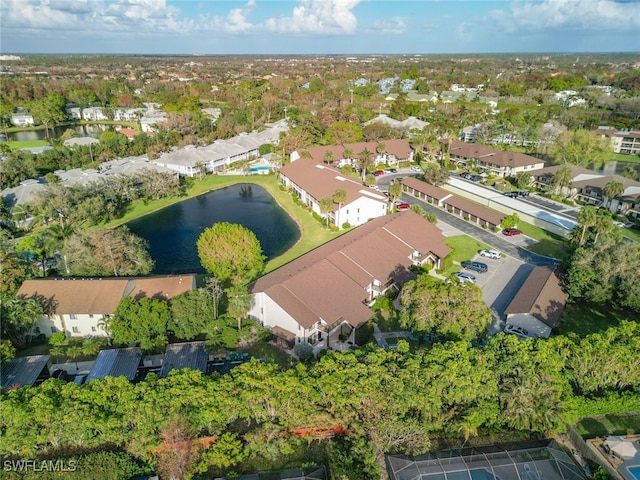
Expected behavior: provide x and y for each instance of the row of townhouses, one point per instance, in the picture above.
(622, 141)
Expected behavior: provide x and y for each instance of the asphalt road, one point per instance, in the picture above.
(512, 246)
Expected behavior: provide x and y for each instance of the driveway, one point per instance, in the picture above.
(512, 246)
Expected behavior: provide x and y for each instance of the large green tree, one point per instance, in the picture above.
(144, 321)
(106, 252)
(231, 253)
(582, 148)
(452, 310)
(19, 316)
(606, 272)
(191, 312)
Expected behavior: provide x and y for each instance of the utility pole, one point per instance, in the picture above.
(351, 91)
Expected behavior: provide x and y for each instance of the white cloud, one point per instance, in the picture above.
(328, 17)
(590, 15)
(390, 26)
(234, 22)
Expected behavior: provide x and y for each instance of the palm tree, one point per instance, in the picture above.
(586, 218)
(347, 154)
(612, 189)
(326, 205)
(604, 225)
(339, 197)
(561, 179)
(199, 168)
(328, 157)
(366, 161)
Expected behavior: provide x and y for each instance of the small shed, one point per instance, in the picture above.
(184, 355)
(539, 303)
(25, 371)
(117, 362)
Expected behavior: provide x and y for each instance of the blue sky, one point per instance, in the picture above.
(318, 26)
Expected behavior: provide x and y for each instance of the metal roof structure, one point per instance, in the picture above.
(24, 371)
(117, 362)
(184, 355)
(543, 460)
(309, 473)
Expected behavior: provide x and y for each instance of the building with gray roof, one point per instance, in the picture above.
(184, 355)
(25, 371)
(116, 363)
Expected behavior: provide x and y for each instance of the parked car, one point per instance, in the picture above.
(375, 187)
(416, 169)
(475, 266)
(403, 206)
(476, 178)
(517, 331)
(465, 277)
(511, 194)
(490, 253)
(466, 175)
(393, 170)
(378, 173)
(510, 232)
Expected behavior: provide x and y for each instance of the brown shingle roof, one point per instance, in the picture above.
(476, 210)
(100, 295)
(398, 147)
(162, 287)
(70, 296)
(321, 181)
(491, 155)
(426, 188)
(600, 182)
(541, 295)
(329, 282)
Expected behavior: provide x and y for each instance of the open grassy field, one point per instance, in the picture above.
(312, 234)
(608, 425)
(17, 145)
(584, 318)
(549, 244)
(464, 248)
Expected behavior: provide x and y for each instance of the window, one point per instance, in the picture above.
(54, 329)
(73, 316)
(75, 330)
(91, 315)
(93, 329)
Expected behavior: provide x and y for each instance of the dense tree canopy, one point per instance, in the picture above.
(388, 400)
(231, 253)
(107, 252)
(449, 309)
(606, 272)
(144, 321)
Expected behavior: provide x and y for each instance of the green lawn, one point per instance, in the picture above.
(608, 425)
(633, 233)
(549, 244)
(464, 248)
(583, 318)
(625, 158)
(312, 233)
(16, 145)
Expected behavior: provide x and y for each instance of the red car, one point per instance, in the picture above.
(510, 232)
(378, 173)
(403, 206)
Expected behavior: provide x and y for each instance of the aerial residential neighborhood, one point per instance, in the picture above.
(317, 265)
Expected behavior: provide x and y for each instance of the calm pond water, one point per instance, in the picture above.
(91, 130)
(173, 231)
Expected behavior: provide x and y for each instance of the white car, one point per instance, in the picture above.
(416, 169)
(517, 331)
(465, 277)
(490, 253)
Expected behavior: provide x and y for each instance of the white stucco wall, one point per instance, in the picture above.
(361, 210)
(270, 314)
(86, 325)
